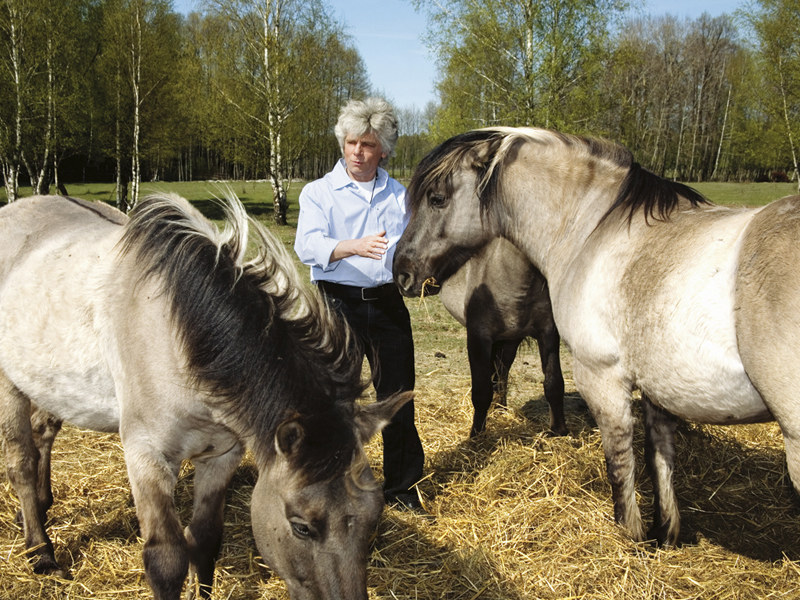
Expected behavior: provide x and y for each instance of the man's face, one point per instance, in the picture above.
(362, 155)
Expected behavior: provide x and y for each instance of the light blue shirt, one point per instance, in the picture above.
(334, 208)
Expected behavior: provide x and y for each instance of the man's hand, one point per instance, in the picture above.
(370, 246)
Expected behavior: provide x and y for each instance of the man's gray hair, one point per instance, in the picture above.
(373, 115)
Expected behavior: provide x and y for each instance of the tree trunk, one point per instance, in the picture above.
(11, 178)
(11, 171)
(136, 80)
(787, 122)
(722, 134)
(122, 186)
(275, 118)
(40, 186)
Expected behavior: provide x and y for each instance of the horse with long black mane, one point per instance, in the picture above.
(502, 299)
(653, 287)
(158, 328)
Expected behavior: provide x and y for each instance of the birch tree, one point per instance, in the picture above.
(272, 73)
(16, 26)
(139, 70)
(776, 24)
(526, 62)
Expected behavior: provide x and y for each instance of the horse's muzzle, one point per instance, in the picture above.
(412, 286)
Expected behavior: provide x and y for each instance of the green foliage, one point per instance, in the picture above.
(776, 24)
(690, 98)
(518, 62)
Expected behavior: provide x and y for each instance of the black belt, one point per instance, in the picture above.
(351, 292)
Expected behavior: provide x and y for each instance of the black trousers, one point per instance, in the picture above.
(383, 326)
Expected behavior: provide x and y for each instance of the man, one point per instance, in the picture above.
(349, 224)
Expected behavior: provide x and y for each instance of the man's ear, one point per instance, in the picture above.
(370, 419)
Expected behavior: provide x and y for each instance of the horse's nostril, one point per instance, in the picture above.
(403, 280)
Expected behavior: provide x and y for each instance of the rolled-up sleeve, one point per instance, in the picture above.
(313, 243)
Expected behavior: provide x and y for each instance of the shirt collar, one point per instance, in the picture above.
(341, 179)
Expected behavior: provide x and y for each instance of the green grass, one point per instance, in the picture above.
(745, 194)
(257, 195)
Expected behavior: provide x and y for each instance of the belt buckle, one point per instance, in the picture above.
(368, 298)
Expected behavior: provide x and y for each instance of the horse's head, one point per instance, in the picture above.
(450, 198)
(315, 505)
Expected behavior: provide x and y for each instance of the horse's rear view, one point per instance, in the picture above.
(157, 328)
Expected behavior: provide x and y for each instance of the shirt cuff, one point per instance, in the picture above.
(326, 249)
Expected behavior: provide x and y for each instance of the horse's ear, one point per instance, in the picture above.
(288, 437)
(370, 419)
(482, 154)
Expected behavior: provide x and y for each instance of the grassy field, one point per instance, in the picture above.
(257, 195)
(745, 194)
(518, 515)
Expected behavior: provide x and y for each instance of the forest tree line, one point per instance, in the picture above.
(131, 90)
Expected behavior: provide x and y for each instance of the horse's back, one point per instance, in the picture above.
(55, 259)
(768, 306)
(27, 224)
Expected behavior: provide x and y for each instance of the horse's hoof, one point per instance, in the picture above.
(47, 565)
(661, 536)
(558, 432)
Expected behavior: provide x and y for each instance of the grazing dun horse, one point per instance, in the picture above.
(501, 298)
(652, 287)
(157, 328)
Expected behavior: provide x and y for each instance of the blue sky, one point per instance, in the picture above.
(388, 35)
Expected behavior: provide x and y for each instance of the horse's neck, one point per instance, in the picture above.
(551, 217)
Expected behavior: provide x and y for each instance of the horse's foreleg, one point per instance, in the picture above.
(660, 454)
(549, 348)
(611, 409)
(503, 355)
(22, 461)
(153, 478)
(479, 350)
(204, 533)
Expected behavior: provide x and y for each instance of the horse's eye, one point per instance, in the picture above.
(301, 530)
(437, 200)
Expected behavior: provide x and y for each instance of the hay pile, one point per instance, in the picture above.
(518, 515)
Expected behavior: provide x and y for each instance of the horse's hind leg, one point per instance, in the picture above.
(204, 533)
(22, 462)
(660, 455)
(45, 428)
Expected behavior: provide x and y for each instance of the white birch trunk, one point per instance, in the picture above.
(11, 168)
(41, 179)
(722, 134)
(275, 118)
(136, 78)
(788, 123)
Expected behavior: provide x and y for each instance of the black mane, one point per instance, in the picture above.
(245, 342)
(656, 197)
(640, 191)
